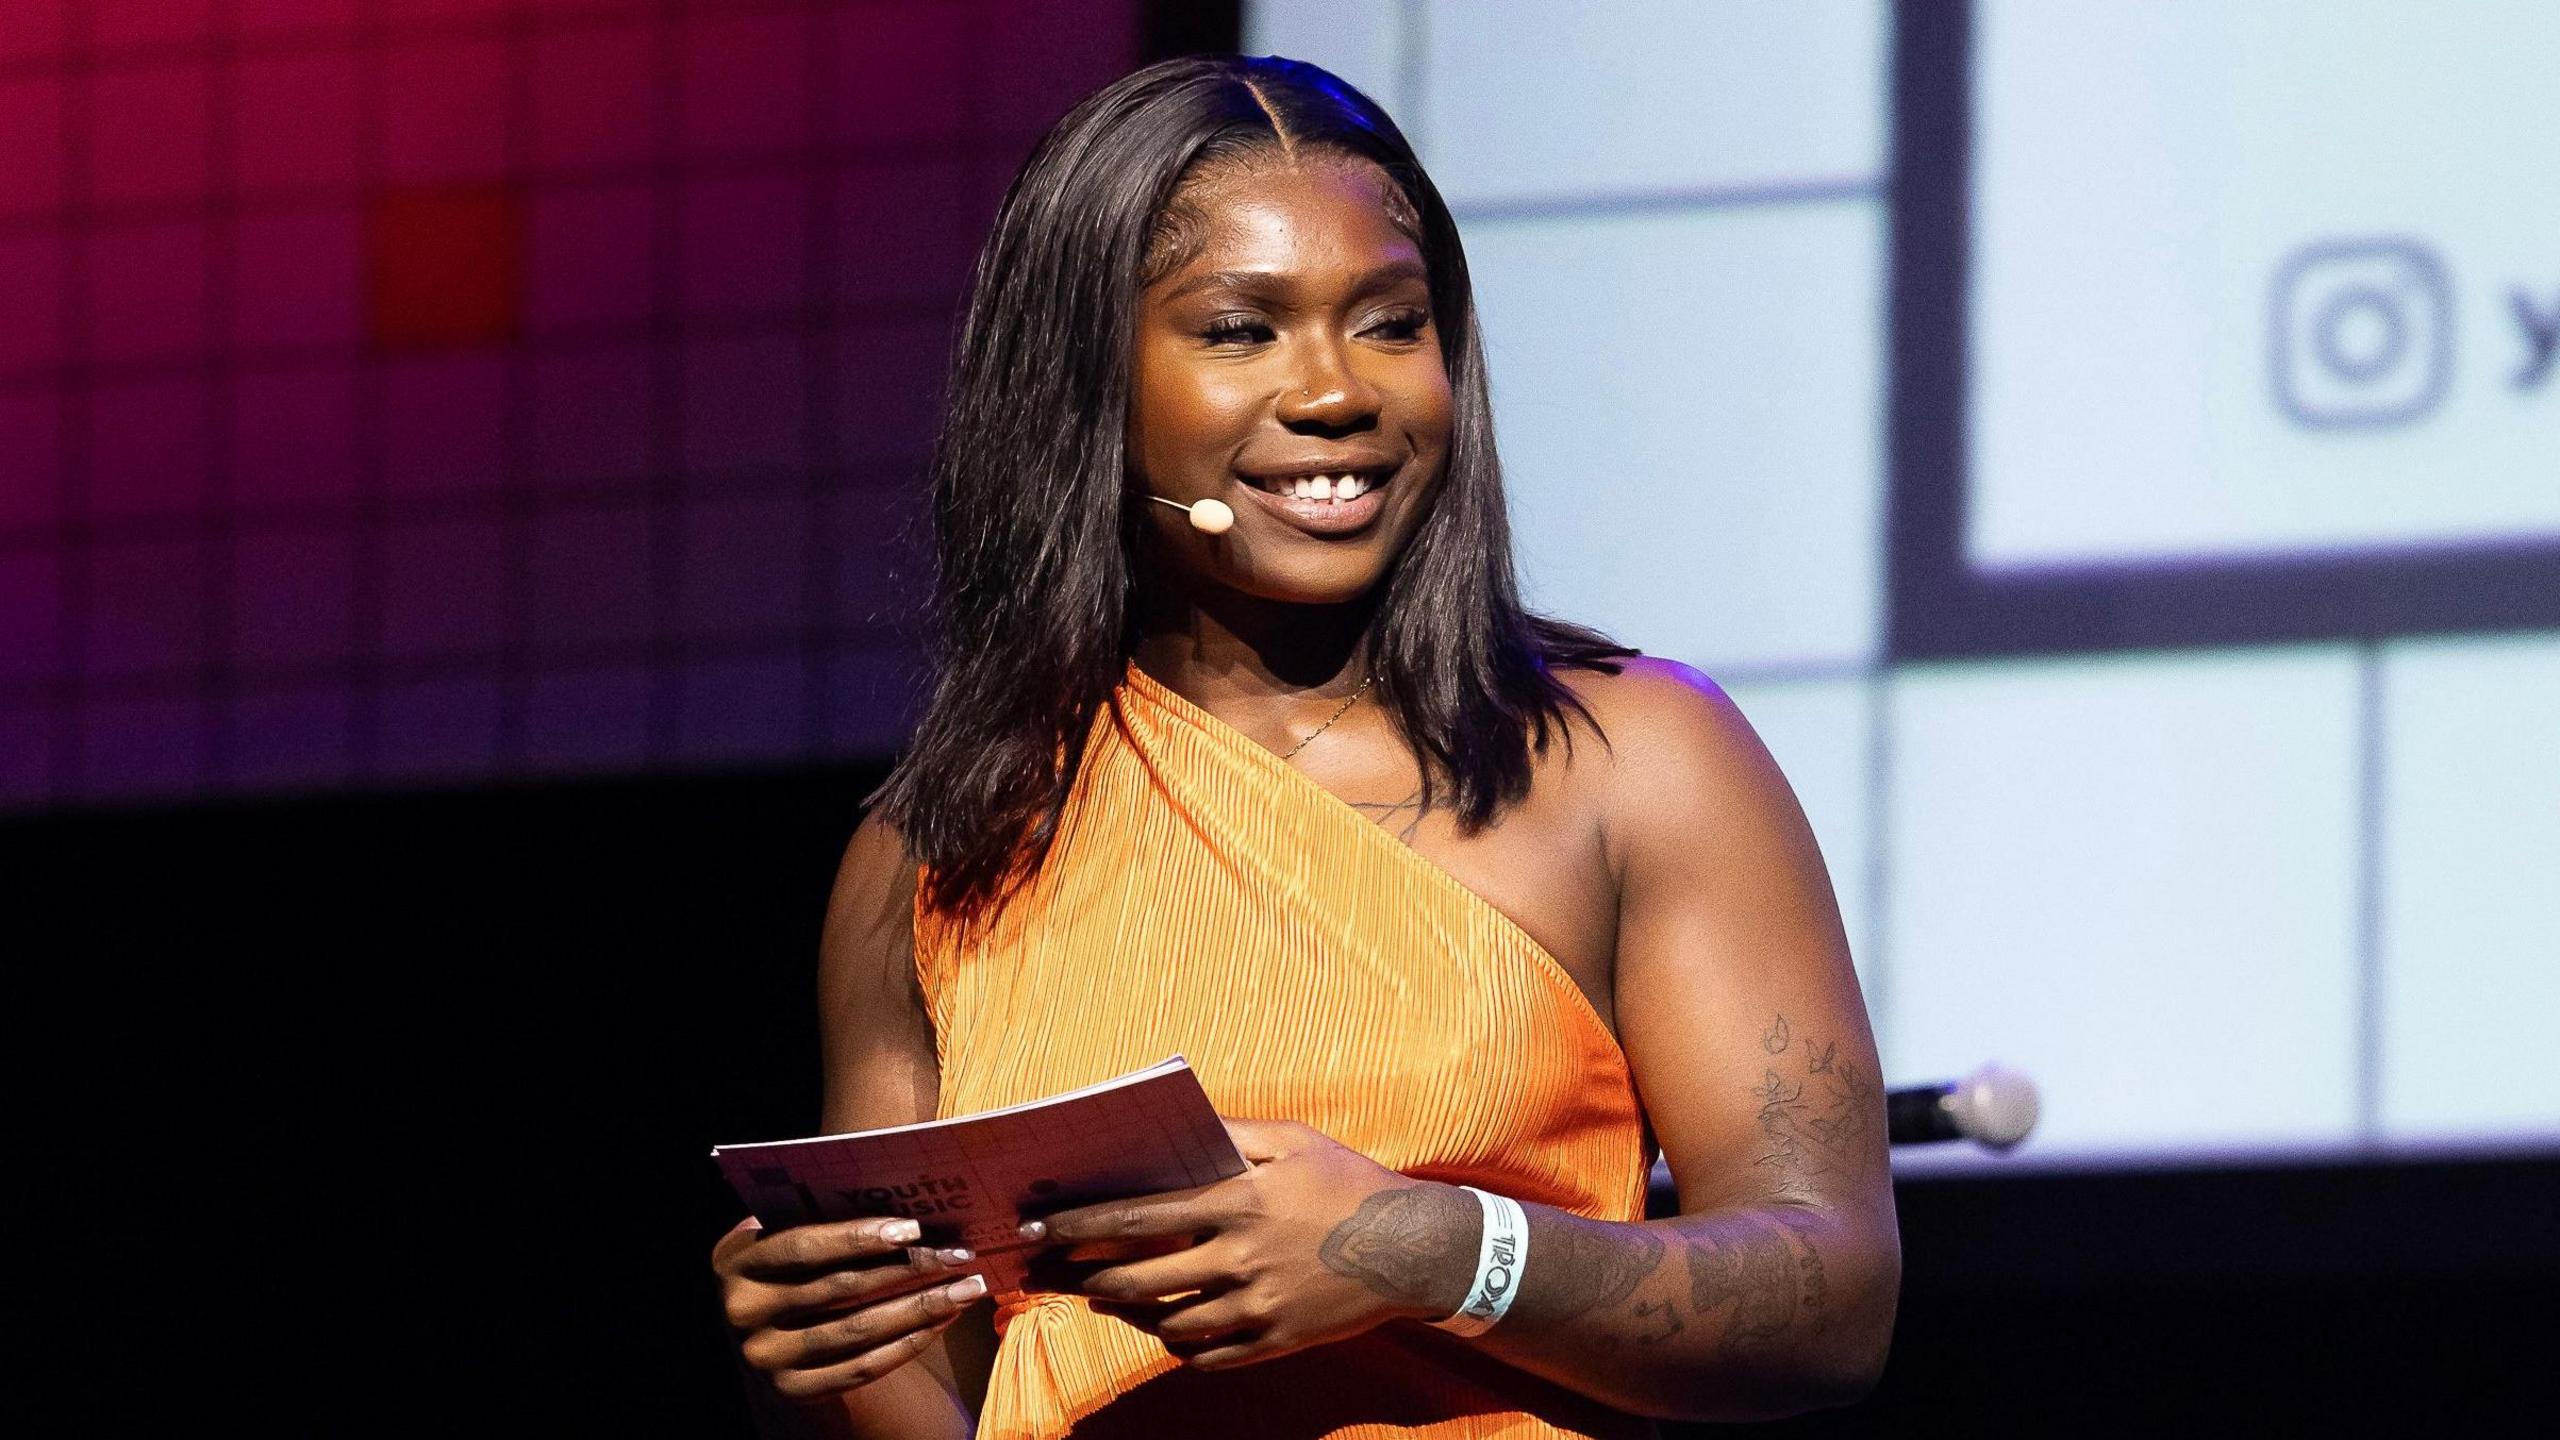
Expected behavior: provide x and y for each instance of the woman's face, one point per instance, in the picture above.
(1297, 343)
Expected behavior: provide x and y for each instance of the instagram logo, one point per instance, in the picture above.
(2362, 333)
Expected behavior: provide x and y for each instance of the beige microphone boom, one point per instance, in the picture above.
(1209, 517)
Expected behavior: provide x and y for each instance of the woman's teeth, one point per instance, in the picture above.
(1323, 487)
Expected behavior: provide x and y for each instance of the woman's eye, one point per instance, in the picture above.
(1405, 326)
(1234, 329)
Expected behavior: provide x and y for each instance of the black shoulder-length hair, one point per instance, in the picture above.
(1034, 526)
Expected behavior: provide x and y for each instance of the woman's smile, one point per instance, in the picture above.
(1341, 498)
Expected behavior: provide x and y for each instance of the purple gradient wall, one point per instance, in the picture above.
(412, 391)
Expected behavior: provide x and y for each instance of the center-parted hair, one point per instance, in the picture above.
(1035, 529)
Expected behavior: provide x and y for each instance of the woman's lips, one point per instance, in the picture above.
(1322, 517)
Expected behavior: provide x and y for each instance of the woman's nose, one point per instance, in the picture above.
(1327, 391)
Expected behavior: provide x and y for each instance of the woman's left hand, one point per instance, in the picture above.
(1313, 1243)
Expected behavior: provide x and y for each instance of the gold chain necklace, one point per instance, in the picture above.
(1336, 715)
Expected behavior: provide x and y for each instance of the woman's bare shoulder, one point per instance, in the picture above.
(1656, 712)
(1678, 754)
(879, 1052)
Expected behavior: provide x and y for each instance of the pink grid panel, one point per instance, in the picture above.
(643, 494)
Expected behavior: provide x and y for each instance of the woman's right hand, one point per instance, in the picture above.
(821, 1309)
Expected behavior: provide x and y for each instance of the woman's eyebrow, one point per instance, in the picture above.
(1274, 282)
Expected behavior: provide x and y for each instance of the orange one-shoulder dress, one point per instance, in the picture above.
(1205, 898)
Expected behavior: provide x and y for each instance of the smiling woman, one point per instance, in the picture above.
(1205, 248)
(1451, 961)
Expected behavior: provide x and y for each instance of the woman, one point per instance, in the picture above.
(1429, 890)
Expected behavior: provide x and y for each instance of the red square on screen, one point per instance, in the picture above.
(746, 84)
(444, 111)
(30, 457)
(293, 438)
(148, 297)
(447, 267)
(296, 285)
(33, 266)
(590, 256)
(592, 98)
(297, 121)
(148, 22)
(31, 154)
(896, 74)
(444, 424)
(150, 442)
(151, 128)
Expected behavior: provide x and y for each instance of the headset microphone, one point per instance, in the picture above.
(1209, 517)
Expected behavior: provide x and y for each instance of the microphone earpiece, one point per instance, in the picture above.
(1209, 517)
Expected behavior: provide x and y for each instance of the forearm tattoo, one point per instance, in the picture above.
(1759, 1274)
(1763, 1273)
(1409, 1243)
(1581, 1265)
(1755, 1278)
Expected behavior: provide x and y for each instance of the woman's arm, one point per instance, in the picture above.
(1772, 1293)
(880, 1069)
(1774, 1290)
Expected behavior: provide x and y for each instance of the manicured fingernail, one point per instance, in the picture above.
(1033, 1230)
(955, 1256)
(902, 1232)
(966, 1290)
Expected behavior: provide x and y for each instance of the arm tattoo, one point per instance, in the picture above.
(1409, 1243)
(1763, 1274)
(1820, 1114)
(1774, 1039)
(1661, 1320)
(1582, 1265)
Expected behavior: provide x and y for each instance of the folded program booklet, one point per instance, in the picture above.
(972, 1179)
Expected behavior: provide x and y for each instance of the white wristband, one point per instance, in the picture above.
(1500, 1257)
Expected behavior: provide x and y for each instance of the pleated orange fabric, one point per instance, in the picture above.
(1207, 899)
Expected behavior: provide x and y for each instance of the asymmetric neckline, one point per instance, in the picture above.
(1181, 707)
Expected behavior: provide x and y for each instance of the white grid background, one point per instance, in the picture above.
(2238, 901)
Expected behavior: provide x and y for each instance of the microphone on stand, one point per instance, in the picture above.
(1209, 517)
(1994, 1107)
